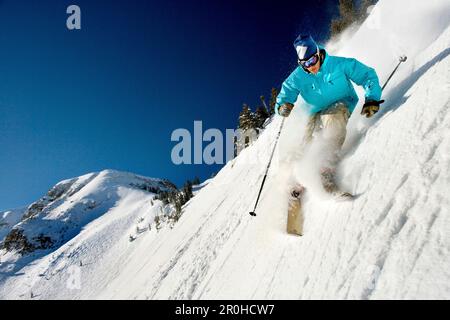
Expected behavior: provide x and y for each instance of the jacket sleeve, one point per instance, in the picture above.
(363, 76)
(288, 93)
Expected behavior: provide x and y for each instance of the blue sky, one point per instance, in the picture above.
(110, 95)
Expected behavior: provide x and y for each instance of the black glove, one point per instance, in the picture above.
(285, 109)
(371, 107)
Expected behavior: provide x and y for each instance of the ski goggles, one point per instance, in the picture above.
(312, 61)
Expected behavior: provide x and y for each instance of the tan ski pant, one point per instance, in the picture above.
(332, 124)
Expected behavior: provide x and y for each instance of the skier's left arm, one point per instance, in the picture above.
(366, 77)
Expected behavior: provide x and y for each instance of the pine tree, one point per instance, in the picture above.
(362, 12)
(187, 191)
(347, 15)
(273, 101)
(178, 207)
(246, 118)
(347, 9)
(164, 197)
(261, 115)
(196, 181)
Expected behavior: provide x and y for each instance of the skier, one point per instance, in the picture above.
(324, 83)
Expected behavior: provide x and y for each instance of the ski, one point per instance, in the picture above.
(295, 213)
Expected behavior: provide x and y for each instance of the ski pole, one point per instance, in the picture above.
(401, 59)
(253, 213)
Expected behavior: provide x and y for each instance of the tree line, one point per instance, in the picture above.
(178, 198)
(350, 12)
(255, 120)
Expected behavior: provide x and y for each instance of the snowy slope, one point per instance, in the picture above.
(84, 218)
(392, 241)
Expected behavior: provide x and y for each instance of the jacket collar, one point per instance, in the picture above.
(325, 59)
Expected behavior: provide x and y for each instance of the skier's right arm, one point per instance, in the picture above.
(288, 94)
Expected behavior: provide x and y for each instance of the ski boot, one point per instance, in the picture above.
(328, 178)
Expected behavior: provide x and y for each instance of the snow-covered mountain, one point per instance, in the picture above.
(103, 202)
(69, 206)
(392, 241)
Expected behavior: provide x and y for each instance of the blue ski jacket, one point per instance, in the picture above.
(331, 84)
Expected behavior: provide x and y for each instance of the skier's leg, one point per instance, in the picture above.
(327, 176)
(334, 122)
(295, 217)
(312, 127)
(296, 190)
(334, 129)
